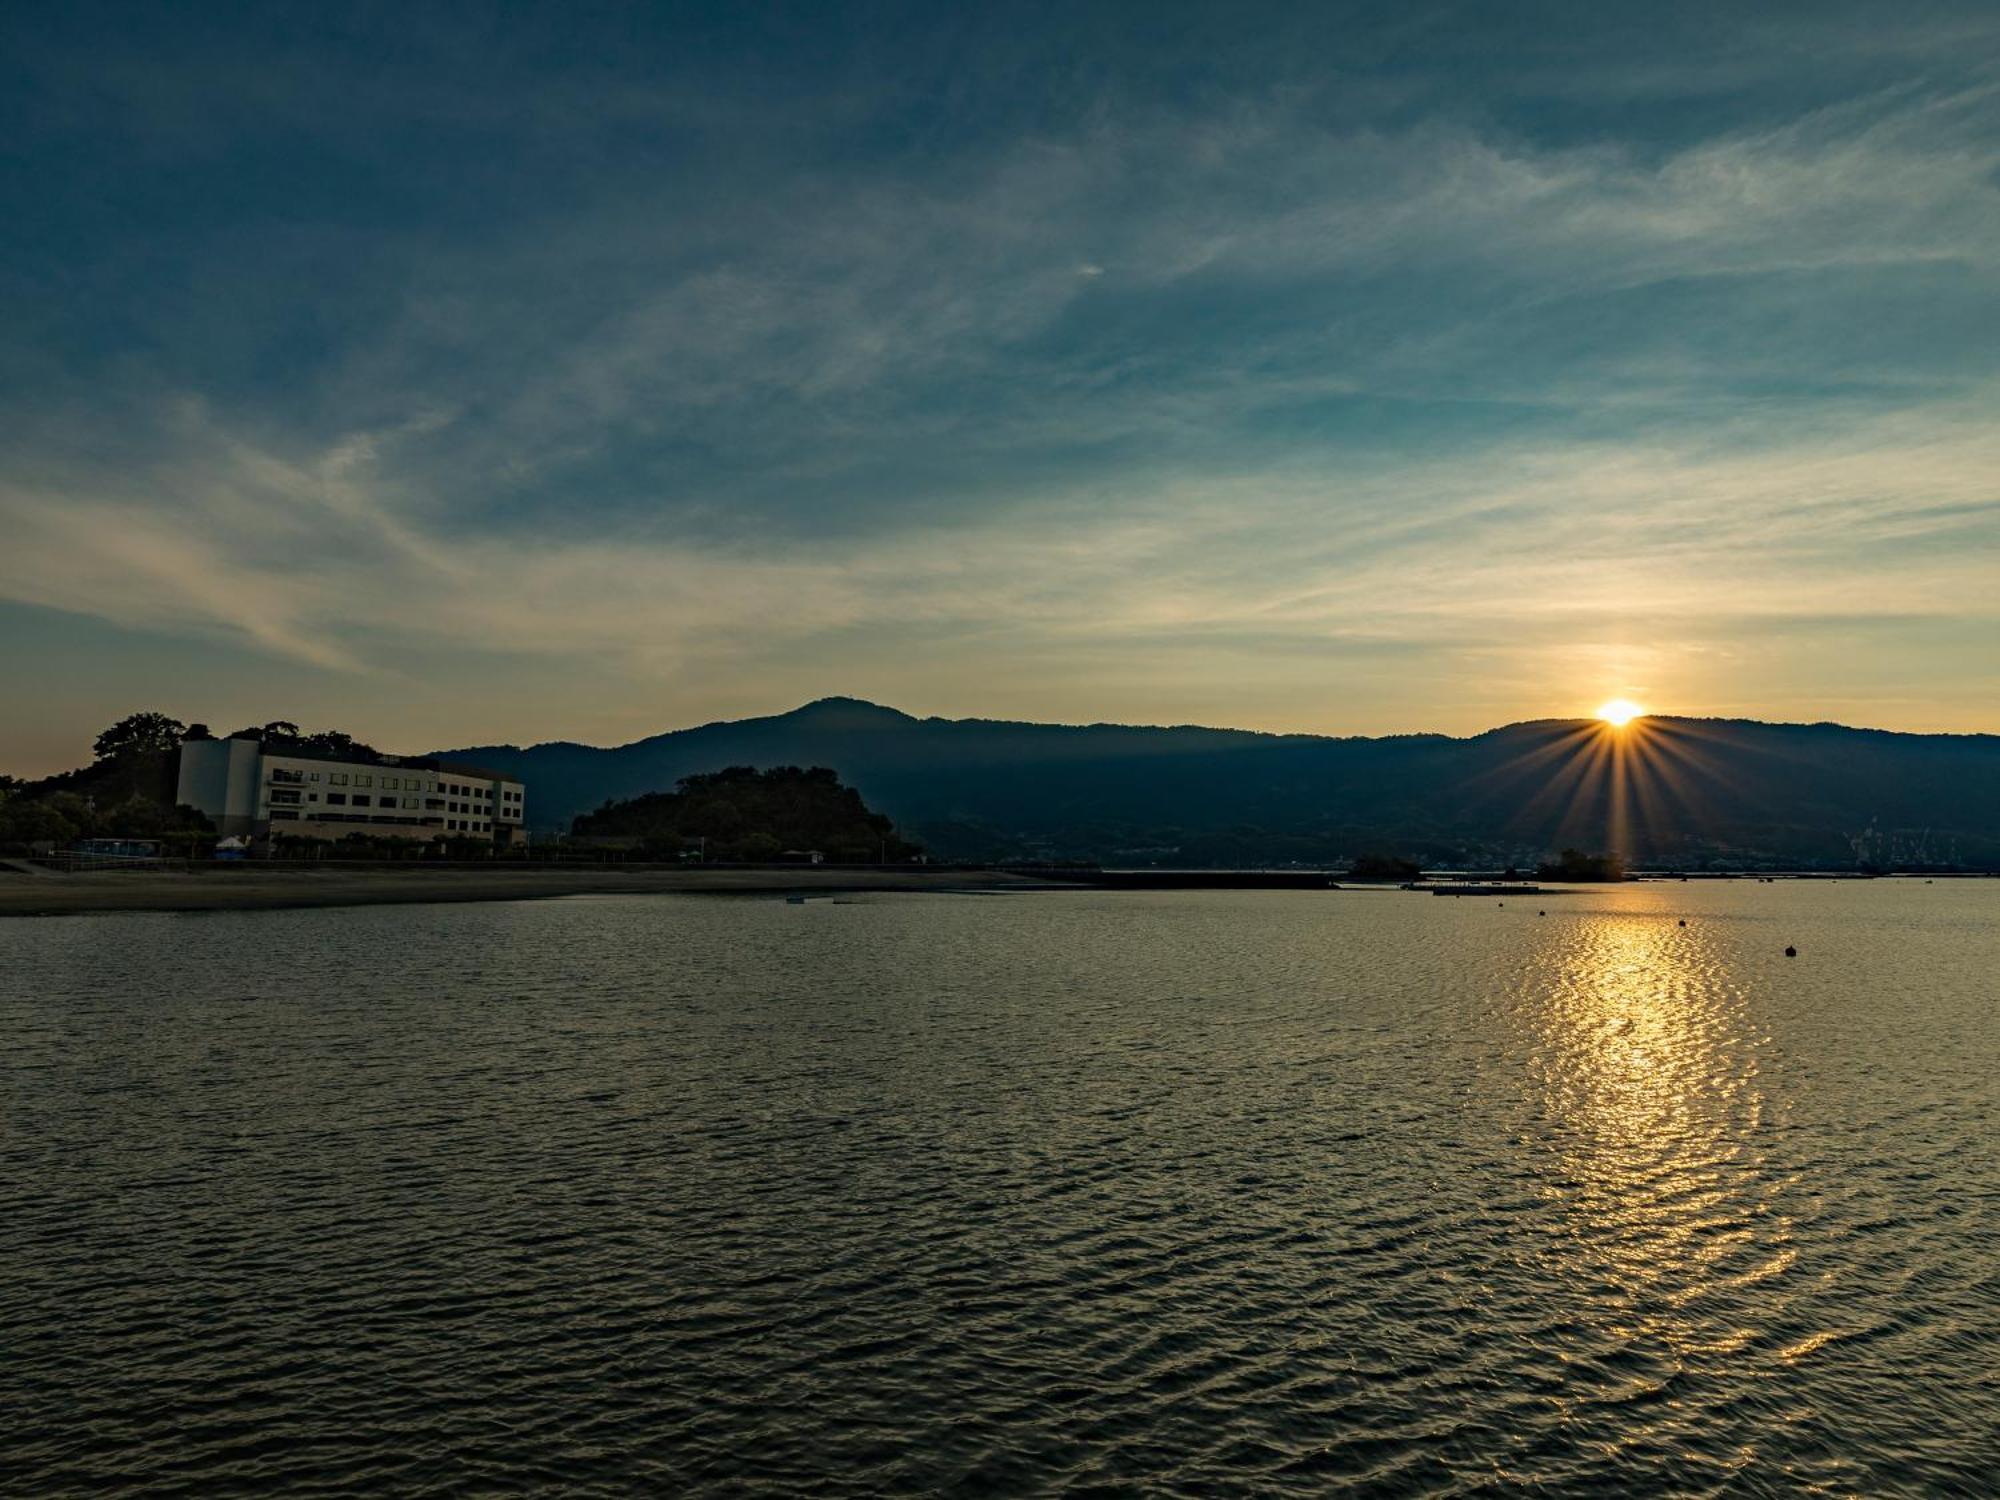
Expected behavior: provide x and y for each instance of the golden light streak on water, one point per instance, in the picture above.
(1645, 1067)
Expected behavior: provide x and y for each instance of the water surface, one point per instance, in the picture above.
(1181, 1193)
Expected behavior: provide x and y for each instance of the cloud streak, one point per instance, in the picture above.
(1196, 403)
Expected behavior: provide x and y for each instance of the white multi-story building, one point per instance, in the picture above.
(249, 789)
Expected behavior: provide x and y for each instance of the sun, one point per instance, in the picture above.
(1619, 712)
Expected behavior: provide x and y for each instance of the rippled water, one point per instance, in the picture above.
(1191, 1193)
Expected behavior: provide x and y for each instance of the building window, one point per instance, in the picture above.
(390, 783)
(284, 797)
(409, 802)
(363, 780)
(337, 778)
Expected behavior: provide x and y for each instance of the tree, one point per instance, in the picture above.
(139, 734)
(333, 742)
(23, 822)
(277, 729)
(78, 811)
(747, 814)
(143, 818)
(283, 735)
(759, 848)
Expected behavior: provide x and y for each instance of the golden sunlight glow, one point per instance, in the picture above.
(1619, 712)
(1646, 1056)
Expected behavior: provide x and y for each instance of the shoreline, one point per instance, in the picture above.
(50, 895)
(241, 888)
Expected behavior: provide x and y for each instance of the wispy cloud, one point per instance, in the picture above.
(319, 561)
(1169, 397)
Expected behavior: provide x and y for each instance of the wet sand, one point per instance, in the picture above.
(251, 889)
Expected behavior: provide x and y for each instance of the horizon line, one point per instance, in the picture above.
(1559, 719)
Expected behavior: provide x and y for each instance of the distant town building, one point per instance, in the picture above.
(250, 790)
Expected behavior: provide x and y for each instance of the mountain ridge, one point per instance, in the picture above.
(796, 714)
(1693, 791)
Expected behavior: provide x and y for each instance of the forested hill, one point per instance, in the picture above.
(1685, 790)
(741, 813)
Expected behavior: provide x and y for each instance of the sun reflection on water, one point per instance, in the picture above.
(1648, 1079)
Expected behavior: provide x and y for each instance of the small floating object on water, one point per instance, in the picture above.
(1790, 951)
(1684, 921)
(1541, 914)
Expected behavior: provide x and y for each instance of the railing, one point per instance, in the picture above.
(71, 862)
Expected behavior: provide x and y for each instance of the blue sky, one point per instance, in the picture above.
(455, 374)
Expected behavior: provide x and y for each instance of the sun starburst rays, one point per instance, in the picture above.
(1631, 789)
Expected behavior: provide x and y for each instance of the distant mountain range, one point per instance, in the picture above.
(1697, 792)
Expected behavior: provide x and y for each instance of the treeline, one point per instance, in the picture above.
(746, 814)
(127, 790)
(281, 736)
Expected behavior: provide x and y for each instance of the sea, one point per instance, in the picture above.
(1185, 1193)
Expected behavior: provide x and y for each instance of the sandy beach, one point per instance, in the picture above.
(250, 889)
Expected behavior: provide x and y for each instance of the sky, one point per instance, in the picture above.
(453, 375)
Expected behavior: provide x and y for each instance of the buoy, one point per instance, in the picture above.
(1684, 921)
(1791, 952)
(1541, 914)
